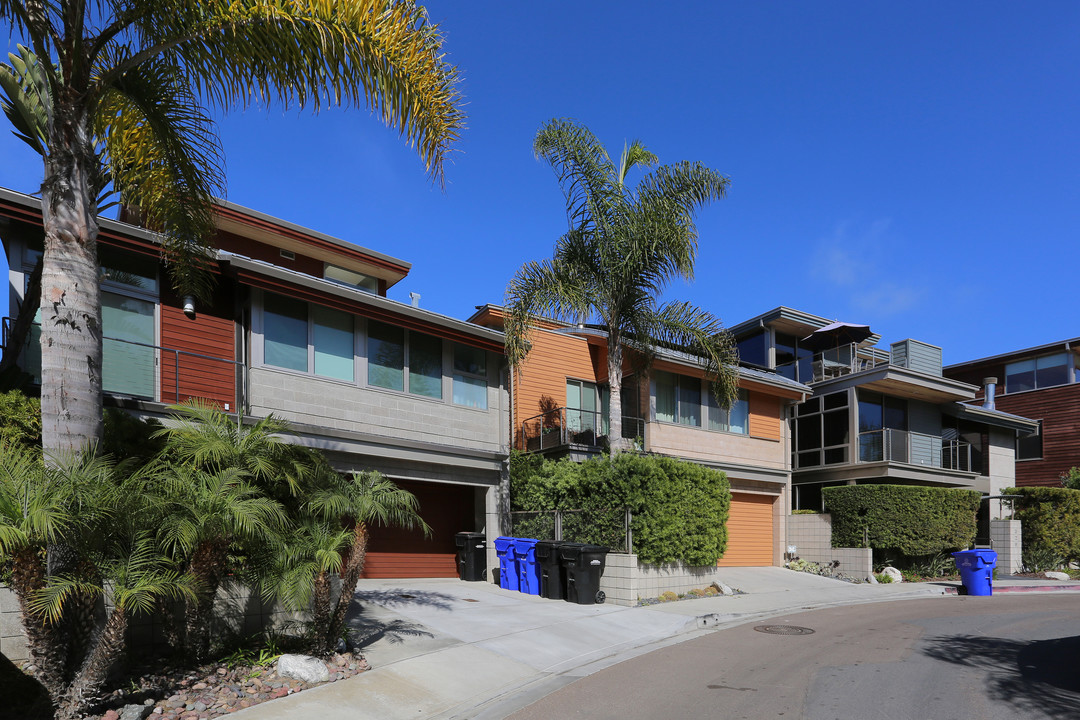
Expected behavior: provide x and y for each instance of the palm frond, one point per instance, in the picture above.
(682, 326)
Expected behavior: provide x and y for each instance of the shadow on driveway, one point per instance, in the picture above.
(1035, 677)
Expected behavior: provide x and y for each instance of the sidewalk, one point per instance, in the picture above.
(450, 649)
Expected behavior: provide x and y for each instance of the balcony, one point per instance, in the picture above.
(140, 371)
(913, 448)
(563, 427)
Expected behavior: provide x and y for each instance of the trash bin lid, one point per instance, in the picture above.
(570, 550)
(594, 549)
(502, 544)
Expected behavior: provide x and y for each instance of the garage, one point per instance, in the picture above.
(397, 553)
(750, 531)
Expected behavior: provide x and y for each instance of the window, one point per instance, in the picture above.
(1030, 447)
(754, 349)
(386, 356)
(348, 278)
(822, 432)
(285, 336)
(792, 361)
(586, 407)
(878, 414)
(425, 365)
(332, 340)
(678, 399)
(735, 419)
(470, 377)
(1036, 373)
(128, 331)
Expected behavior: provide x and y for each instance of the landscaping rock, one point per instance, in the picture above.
(303, 667)
(871, 579)
(1057, 575)
(722, 588)
(893, 573)
(135, 712)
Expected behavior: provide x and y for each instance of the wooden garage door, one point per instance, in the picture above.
(750, 531)
(397, 553)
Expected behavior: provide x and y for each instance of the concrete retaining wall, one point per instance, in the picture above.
(812, 537)
(626, 581)
(1005, 538)
(237, 613)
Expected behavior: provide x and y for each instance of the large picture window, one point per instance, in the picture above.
(386, 356)
(1030, 447)
(822, 431)
(285, 333)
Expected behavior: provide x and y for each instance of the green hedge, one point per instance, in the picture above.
(1051, 519)
(903, 519)
(680, 509)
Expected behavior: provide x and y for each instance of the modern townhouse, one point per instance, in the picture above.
(560, 402)
(879, 415)
(1042, 383)
(300, 326)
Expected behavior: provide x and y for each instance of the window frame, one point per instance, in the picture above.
(1042, 448)
(465, 375)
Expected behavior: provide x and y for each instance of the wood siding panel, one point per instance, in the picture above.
(199, 377)
(1059, 409)
(765, 416)
(553, 358)
(398, 553)
(750, 531)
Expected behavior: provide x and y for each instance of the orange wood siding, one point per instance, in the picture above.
(205, 334)
(765, 416)
(554, 357)
(1059, 409)
(750, 531)
(397, 553)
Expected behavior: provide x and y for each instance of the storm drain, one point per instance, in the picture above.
(784, 630)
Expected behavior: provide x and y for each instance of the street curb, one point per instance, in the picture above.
(1073, 587)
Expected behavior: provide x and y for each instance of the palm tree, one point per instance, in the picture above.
(624, 245)
(118, 94)
(332, 538)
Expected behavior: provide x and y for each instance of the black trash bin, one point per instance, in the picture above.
(552, 570)
(584, 566)
(471, 556)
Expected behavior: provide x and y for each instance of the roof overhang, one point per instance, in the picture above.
(903, 383)
(282, 280)
(997, 418)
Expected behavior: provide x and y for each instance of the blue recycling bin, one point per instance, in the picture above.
(528, 568)
(976, 570)
(508, 571)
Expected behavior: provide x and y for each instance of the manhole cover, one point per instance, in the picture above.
(784, 630)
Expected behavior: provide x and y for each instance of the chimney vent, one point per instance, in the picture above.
(415, 298)
(989, 388)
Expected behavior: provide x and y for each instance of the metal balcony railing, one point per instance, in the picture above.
(156, 373)
(843, 360)
(890, 445)
(569, 426)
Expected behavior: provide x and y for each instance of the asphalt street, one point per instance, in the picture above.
(951, 658)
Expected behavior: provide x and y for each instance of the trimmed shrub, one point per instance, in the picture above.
(20, 419)
(680, 509)
(903, 519)
(1051, 520)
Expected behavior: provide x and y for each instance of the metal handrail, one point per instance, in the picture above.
(239, 383)
(570, 426)
(893, 445)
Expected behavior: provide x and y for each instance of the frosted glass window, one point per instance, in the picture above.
(470, 377)
(332, 336)
(285, 333)
(425, 365)
(386, 356)
(127, 366)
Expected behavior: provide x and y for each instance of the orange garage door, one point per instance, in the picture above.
(750, 531)
(397, 553)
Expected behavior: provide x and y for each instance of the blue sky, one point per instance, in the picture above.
(912, 166)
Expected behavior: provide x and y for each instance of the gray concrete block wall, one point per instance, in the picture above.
(12, 638)
(1006, 537)
(237, 612)
(812, 537)
(345, 406)
(619, 580)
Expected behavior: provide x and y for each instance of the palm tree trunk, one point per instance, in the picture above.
(614, 369)
(320, 614)
(70, 292)
(48, 649)
(208, 567)
(93, 673)
(350, 575)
